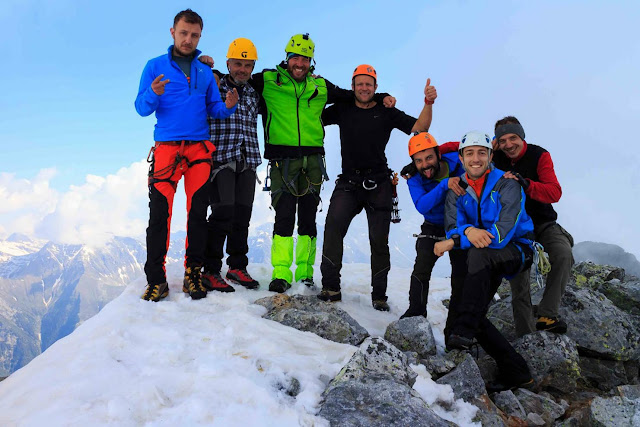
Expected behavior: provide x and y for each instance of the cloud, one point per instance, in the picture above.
(25, 202)
(90, 213)
(102, 207)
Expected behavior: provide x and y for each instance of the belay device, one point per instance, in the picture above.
(395, 211)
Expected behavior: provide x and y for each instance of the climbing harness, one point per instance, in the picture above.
(166, 173)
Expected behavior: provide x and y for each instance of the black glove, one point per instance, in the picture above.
(409, 169)
(523, 181)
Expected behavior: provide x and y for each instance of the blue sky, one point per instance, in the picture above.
(567, 70)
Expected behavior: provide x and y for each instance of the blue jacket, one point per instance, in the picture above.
(501, 212)
(182, 110)
(429, 195)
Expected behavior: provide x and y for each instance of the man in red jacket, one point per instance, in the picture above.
(532, 166)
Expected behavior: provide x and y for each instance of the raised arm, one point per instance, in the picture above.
(424, 119)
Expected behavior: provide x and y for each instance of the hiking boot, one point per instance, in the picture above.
(215, 282)
(413, 313)
(458, 342)
(308, 282)
(156, 292)
(380, 305)
(551, 324)
(329, 296)
(240, 276)
(192, 283)
(279, 285)
(497, 386)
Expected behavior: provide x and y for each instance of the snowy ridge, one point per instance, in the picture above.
(214, 361)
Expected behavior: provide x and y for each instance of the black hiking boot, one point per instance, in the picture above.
(380, 305)
(240, 276)
(156, 292)
(215, 282)
(308, 282)
(279, 285)
(192, 283)
(413, 313)
(458, 342)
(329, 296)
(499, 386)
(551, 324)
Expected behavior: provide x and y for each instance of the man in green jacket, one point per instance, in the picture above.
(293, 101)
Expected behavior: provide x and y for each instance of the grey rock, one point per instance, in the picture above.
(631, 392)
(412, 357)
(548, 409)
(599, 328)
(534, 419)
(593, 275)
(465, 380)
(374, 388)
(606, 253)
(552, 358)
(507, 402)
(603, 374)
(379, 358)
(308, 313)
(412, 334)
(438, 365)
(291, 386)
(614, 412)
(374, 401)
(624, 295)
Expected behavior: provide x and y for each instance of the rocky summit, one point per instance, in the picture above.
(588, 377)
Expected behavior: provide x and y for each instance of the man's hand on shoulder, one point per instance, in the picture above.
(207, 60)
(409, 170)
(478, 237)
(232, 98)
(521, 180)
(157, 86)
(389, 101)
(454, 185)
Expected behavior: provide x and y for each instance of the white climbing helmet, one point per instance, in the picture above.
(475, 138)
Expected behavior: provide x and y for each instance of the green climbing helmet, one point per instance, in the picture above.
(301, 44)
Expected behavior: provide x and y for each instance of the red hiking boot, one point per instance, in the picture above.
(215, 282)
(240, 276)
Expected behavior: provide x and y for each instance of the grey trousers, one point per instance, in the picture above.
(557, 244)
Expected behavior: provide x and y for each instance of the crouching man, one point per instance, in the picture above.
(489, 222)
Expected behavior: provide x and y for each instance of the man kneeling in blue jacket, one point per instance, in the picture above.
(490, 222)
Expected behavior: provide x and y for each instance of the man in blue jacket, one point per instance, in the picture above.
(182, 102)
(489, 222)
(432, 174)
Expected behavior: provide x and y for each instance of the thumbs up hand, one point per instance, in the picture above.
(430, 93)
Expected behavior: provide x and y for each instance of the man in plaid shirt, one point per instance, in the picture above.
(233, 177)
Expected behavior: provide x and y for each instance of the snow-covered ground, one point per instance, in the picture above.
(209, 362)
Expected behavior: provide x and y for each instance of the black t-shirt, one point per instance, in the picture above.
(364, 133)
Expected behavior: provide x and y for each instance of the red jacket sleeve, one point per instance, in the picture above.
(449, 147)
(548, 189)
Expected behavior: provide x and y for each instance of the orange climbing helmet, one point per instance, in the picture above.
(421, 141)
(365, 70)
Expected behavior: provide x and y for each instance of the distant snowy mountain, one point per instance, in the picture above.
(46, 294)
(17, 245)
(48, 289)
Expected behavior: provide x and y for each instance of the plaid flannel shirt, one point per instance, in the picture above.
(236, 137)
